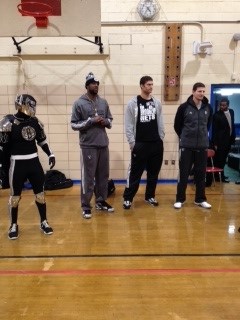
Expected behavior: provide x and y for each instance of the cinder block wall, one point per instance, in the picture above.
(54, 110)
(130, 51)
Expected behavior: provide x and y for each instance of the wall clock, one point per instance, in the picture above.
(147, 9)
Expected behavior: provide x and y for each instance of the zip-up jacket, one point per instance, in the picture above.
(131, 116)
(192, 124)
(91, 134)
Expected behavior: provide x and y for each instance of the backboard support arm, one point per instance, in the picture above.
(17, 44)
(97, 41)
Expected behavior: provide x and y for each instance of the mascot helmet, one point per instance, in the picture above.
(26, 104)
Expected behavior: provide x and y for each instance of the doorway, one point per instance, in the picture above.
(232, 92)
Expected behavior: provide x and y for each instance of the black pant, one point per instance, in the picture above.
(145, 156)
(21, 170)
(221, 157)
(198, 159)
(209, 175)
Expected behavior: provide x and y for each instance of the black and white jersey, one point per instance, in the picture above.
(21, 134)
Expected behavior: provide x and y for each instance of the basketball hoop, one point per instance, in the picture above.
(40, 11)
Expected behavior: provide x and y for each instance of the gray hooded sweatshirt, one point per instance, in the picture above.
(131, 116)
(84, 111)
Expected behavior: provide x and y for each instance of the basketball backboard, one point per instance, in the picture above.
(49, 18)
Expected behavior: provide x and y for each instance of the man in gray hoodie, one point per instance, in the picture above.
(145, 132)
(91, 116)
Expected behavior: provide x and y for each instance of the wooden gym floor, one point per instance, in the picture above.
(142, 263)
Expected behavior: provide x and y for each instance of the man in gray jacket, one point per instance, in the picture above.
(145, 132)
(91, 116)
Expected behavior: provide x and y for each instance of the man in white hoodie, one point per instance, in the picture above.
(145, 132)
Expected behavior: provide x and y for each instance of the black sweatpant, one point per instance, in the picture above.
(189, 158)
(145, 156)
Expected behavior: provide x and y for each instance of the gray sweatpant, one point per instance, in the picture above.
(94, 175)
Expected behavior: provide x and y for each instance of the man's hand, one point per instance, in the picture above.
(52, 161)
(98, 120)
(104, 122)
(132, 146)
(2, 175)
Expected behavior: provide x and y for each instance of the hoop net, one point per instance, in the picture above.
(40, 11)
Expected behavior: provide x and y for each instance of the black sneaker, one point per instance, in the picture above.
(45, 227)
(13, 232)
(153, 202)
(127, 204)
(87, 214)
(103, 205)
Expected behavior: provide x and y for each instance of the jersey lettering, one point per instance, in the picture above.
(147, 113)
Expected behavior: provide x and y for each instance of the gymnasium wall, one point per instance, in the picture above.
(53, 70)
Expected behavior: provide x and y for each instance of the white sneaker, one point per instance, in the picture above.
(178, 205)
(127, 204)
(203, 204)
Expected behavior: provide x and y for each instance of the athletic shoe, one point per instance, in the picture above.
(153, 202)
(127, 204)
(103, 205)
(178, 205)
(87, 214)
(225, 180)
(45, 227)
(203, 204)
(13, 232)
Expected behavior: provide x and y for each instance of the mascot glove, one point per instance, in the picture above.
(52, 161)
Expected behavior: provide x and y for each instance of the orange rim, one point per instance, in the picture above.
(48, 9)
